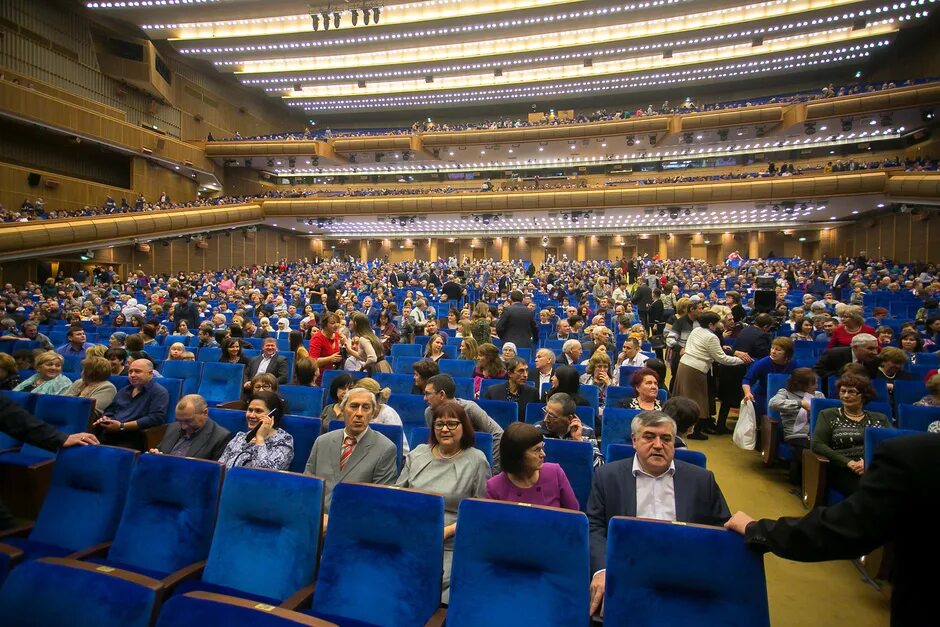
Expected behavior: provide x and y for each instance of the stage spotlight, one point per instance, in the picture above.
(326, 20)
(846, 124)
(316, 21)
(723, 135)
(809, 128)
(927, 115)
(652, 140)
(366, 16)
(631, 140)
(376, 13)
(687, 138)
(355, 17)
(662, 213)
(336, 19)
(761, 131)
(887, 119)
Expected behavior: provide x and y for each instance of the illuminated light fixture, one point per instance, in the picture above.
(927, 115)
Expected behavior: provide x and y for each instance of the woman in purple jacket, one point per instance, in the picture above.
(526, 478)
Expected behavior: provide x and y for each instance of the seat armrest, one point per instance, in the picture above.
(153, 436)
(187, 572)
(97, 550)
(300, 599)
(296, 617)
(21, 531)
(769, 439)
(814, 479)
(438, 618)
(14, 555)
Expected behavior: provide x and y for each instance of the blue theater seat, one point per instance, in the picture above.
(397, 383)
(305, 430)
(722, 581)
(231, 419)
(616, 452)
(577, 460)
(189, 372)
(52, 592)
(616, 427)
(489, 568)
(206, 609)
(221, 383)
(380, 574)
(411, 409)
(84, 503)
(914, 417)
(279, 511)
(503, 412)
(302, 400)
(457, 367)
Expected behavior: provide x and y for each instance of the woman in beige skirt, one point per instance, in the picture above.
(702, 349)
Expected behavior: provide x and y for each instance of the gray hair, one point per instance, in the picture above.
(651, 419)
(195, 401)
(864, 338)
(568, 406)
(546, 351)
(569, 344)
(358, 390)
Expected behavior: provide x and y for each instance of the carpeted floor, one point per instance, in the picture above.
(804, 595)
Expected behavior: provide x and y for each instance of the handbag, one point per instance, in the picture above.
(745, 431)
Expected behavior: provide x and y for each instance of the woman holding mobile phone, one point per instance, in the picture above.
(264, 444)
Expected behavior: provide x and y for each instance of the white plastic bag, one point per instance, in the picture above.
(745, 432)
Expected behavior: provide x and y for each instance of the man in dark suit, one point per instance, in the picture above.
(515, 388)
(186, 310)
(600, 335)
(562, 331)
(194, 434)
(268, 361)
(642, 299)
(896, 501)
(840, 280)
(517, 323)
(864, 350)
(756, 338)
(652, 484)
(544, 369)
(19, 424)
(355, 452)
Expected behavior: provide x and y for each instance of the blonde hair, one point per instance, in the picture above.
(368, 383)
(98, 350)
(599, 358)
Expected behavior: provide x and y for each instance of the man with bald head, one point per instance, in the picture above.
(142, 404)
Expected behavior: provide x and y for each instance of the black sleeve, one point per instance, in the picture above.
(853, 527)
(597, 519)
(21, 425)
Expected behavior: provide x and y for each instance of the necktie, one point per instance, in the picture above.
(349, 443)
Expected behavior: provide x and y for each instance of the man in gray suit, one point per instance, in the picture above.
(652, 484)
(356, 452)
(194, 434)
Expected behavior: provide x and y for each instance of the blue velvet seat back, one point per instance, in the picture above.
(277, 513)
(169, 515)
(411, 409)
(500, 578)
(302, 400)
(616, 426)
(503, 412)
(68, 414)
(382, 556)
(917, 417)
(48, 594)
(577, 460)
(221, 382)
(875, 436)
(231, 419)
(661, 573)
(194, 609)
(305, 431)
(86, 497)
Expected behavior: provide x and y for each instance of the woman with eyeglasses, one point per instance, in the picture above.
(526, 478)
(448, 465)
(264, 444)
(839, 435)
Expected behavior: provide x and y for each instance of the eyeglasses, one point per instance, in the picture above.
(263, 386)
(549, 414)
(849, 391)
(450, 424)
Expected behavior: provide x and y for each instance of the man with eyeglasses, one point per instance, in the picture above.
(561, 421)
(355, 452)
(440, 388)
(194, 434)
(515, 388)
(651, 484)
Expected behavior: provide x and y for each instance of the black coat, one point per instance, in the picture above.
(642, 298)
(896, 500)
(832, 361)
(754, 341)
(527, 394)
(517, 325)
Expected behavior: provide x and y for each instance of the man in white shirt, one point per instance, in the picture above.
(631, 353)
(541, 375)
(651, 484)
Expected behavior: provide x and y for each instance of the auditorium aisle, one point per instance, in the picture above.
(827, 593)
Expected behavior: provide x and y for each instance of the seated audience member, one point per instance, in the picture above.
(206, 335)
(508, 352)
(94, 384)
(423, 370)
(541, 375)
(885, 335)
(645, 382)
(853, 323)
(76, 344)
(134, 343)
(793, 403)
(566, 380)
(434, 350)
(194, 434)
(515, 388)
(177, 352)
(652, 484)
(933, 393)
(31, 332)
(912, 344)
(448, 465)
(526, 478)
(264, 444)
(570, 353)
(340, 385)
(561, 421)
(864, 350)
(117, 360)
(598, 375)
(233, 352)
(267, 362)
(892, 361)
(631, 355)
(386, 414)
(839, 435)
(355, 452)
(600, 336)
(388, 333)
(469, 349)
(25, 359)
(489, 364)
(441, 388)
(9, 373)
(142, 404)
(48, 378)
(563, 331)
(804, 331)
(305, 370)
(685, 412)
